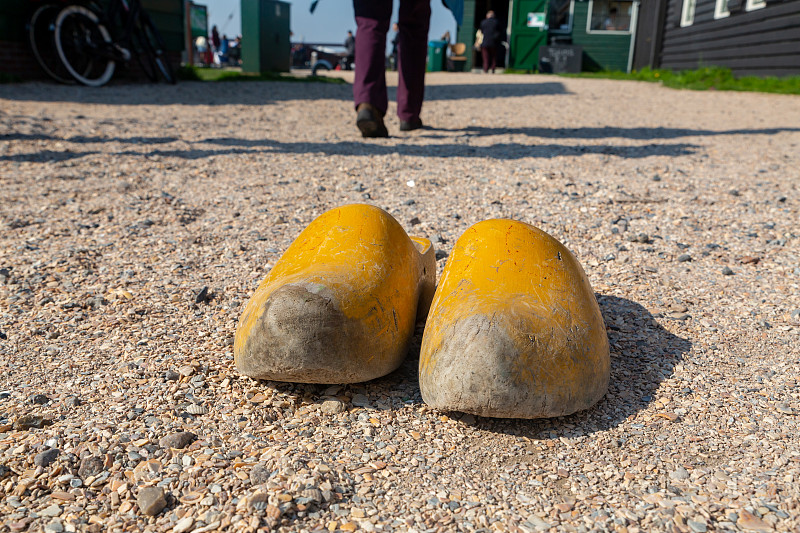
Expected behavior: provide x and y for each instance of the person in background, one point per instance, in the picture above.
(236, 51)
(350, 46)
(224, 49)
(613, 22)
(369, 87)
(490, 27)
(215, 40)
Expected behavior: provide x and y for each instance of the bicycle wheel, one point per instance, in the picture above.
(41, 37)
(154, 44)
(82, 44)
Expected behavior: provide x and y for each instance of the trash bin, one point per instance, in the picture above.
(436, 55)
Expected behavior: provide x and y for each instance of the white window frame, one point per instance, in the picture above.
(610, 32)
(721, 9)
(687, 12)
(752, 5)
(571, 20)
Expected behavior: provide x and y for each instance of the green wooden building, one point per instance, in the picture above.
(16, 58)
(604, 29)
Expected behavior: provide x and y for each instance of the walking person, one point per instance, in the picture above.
(215, 38)
(369, 87)
(492, 36)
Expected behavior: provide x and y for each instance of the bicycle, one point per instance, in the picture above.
(40, 30)
(89, 51)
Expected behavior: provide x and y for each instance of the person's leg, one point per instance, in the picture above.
(372, 23)
(485, 50)
(414, 20)
(493, 59)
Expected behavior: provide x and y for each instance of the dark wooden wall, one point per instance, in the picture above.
(17, 59)
(763, 42)
(649, 31)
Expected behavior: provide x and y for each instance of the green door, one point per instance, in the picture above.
(528, 33)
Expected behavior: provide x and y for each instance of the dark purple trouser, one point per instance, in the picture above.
(372, 23)
(489, 56)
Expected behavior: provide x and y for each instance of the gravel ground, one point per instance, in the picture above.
(136, 220)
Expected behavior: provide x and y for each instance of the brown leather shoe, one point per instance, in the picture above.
(409, 125)
(370, 121)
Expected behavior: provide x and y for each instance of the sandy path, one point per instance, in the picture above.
(119, 205)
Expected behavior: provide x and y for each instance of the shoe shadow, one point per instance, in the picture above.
(643, 354)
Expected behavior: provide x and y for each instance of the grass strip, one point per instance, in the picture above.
(217, 74)
(703, 79)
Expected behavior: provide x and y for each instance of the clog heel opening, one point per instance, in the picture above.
(427, 284)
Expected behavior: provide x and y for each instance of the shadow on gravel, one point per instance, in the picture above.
(495, 151)
(256, 93)
(82, 139)
(44, 156)
(610, 132)
(488, 90)
(506, 151)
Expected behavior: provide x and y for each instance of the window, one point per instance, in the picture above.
(610, 15)
(560, 13)
(687, 13)
(721, 11)
(755, 4)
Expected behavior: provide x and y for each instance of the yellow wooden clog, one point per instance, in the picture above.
(514, 330)
(341, 304)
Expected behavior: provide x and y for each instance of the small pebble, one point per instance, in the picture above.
(183, 525)
(151, 500)
(70, 402)
(679, 474)
(201, 296)
(333, 407)
(46, 457)
(186, 370)
(52, 510)
(39, 399)
(56, 526)
(697, 526)
(178, 440)
(259, 474)
(90, 466)
(31, 422)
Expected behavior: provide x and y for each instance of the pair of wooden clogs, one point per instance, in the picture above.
(513, 329)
